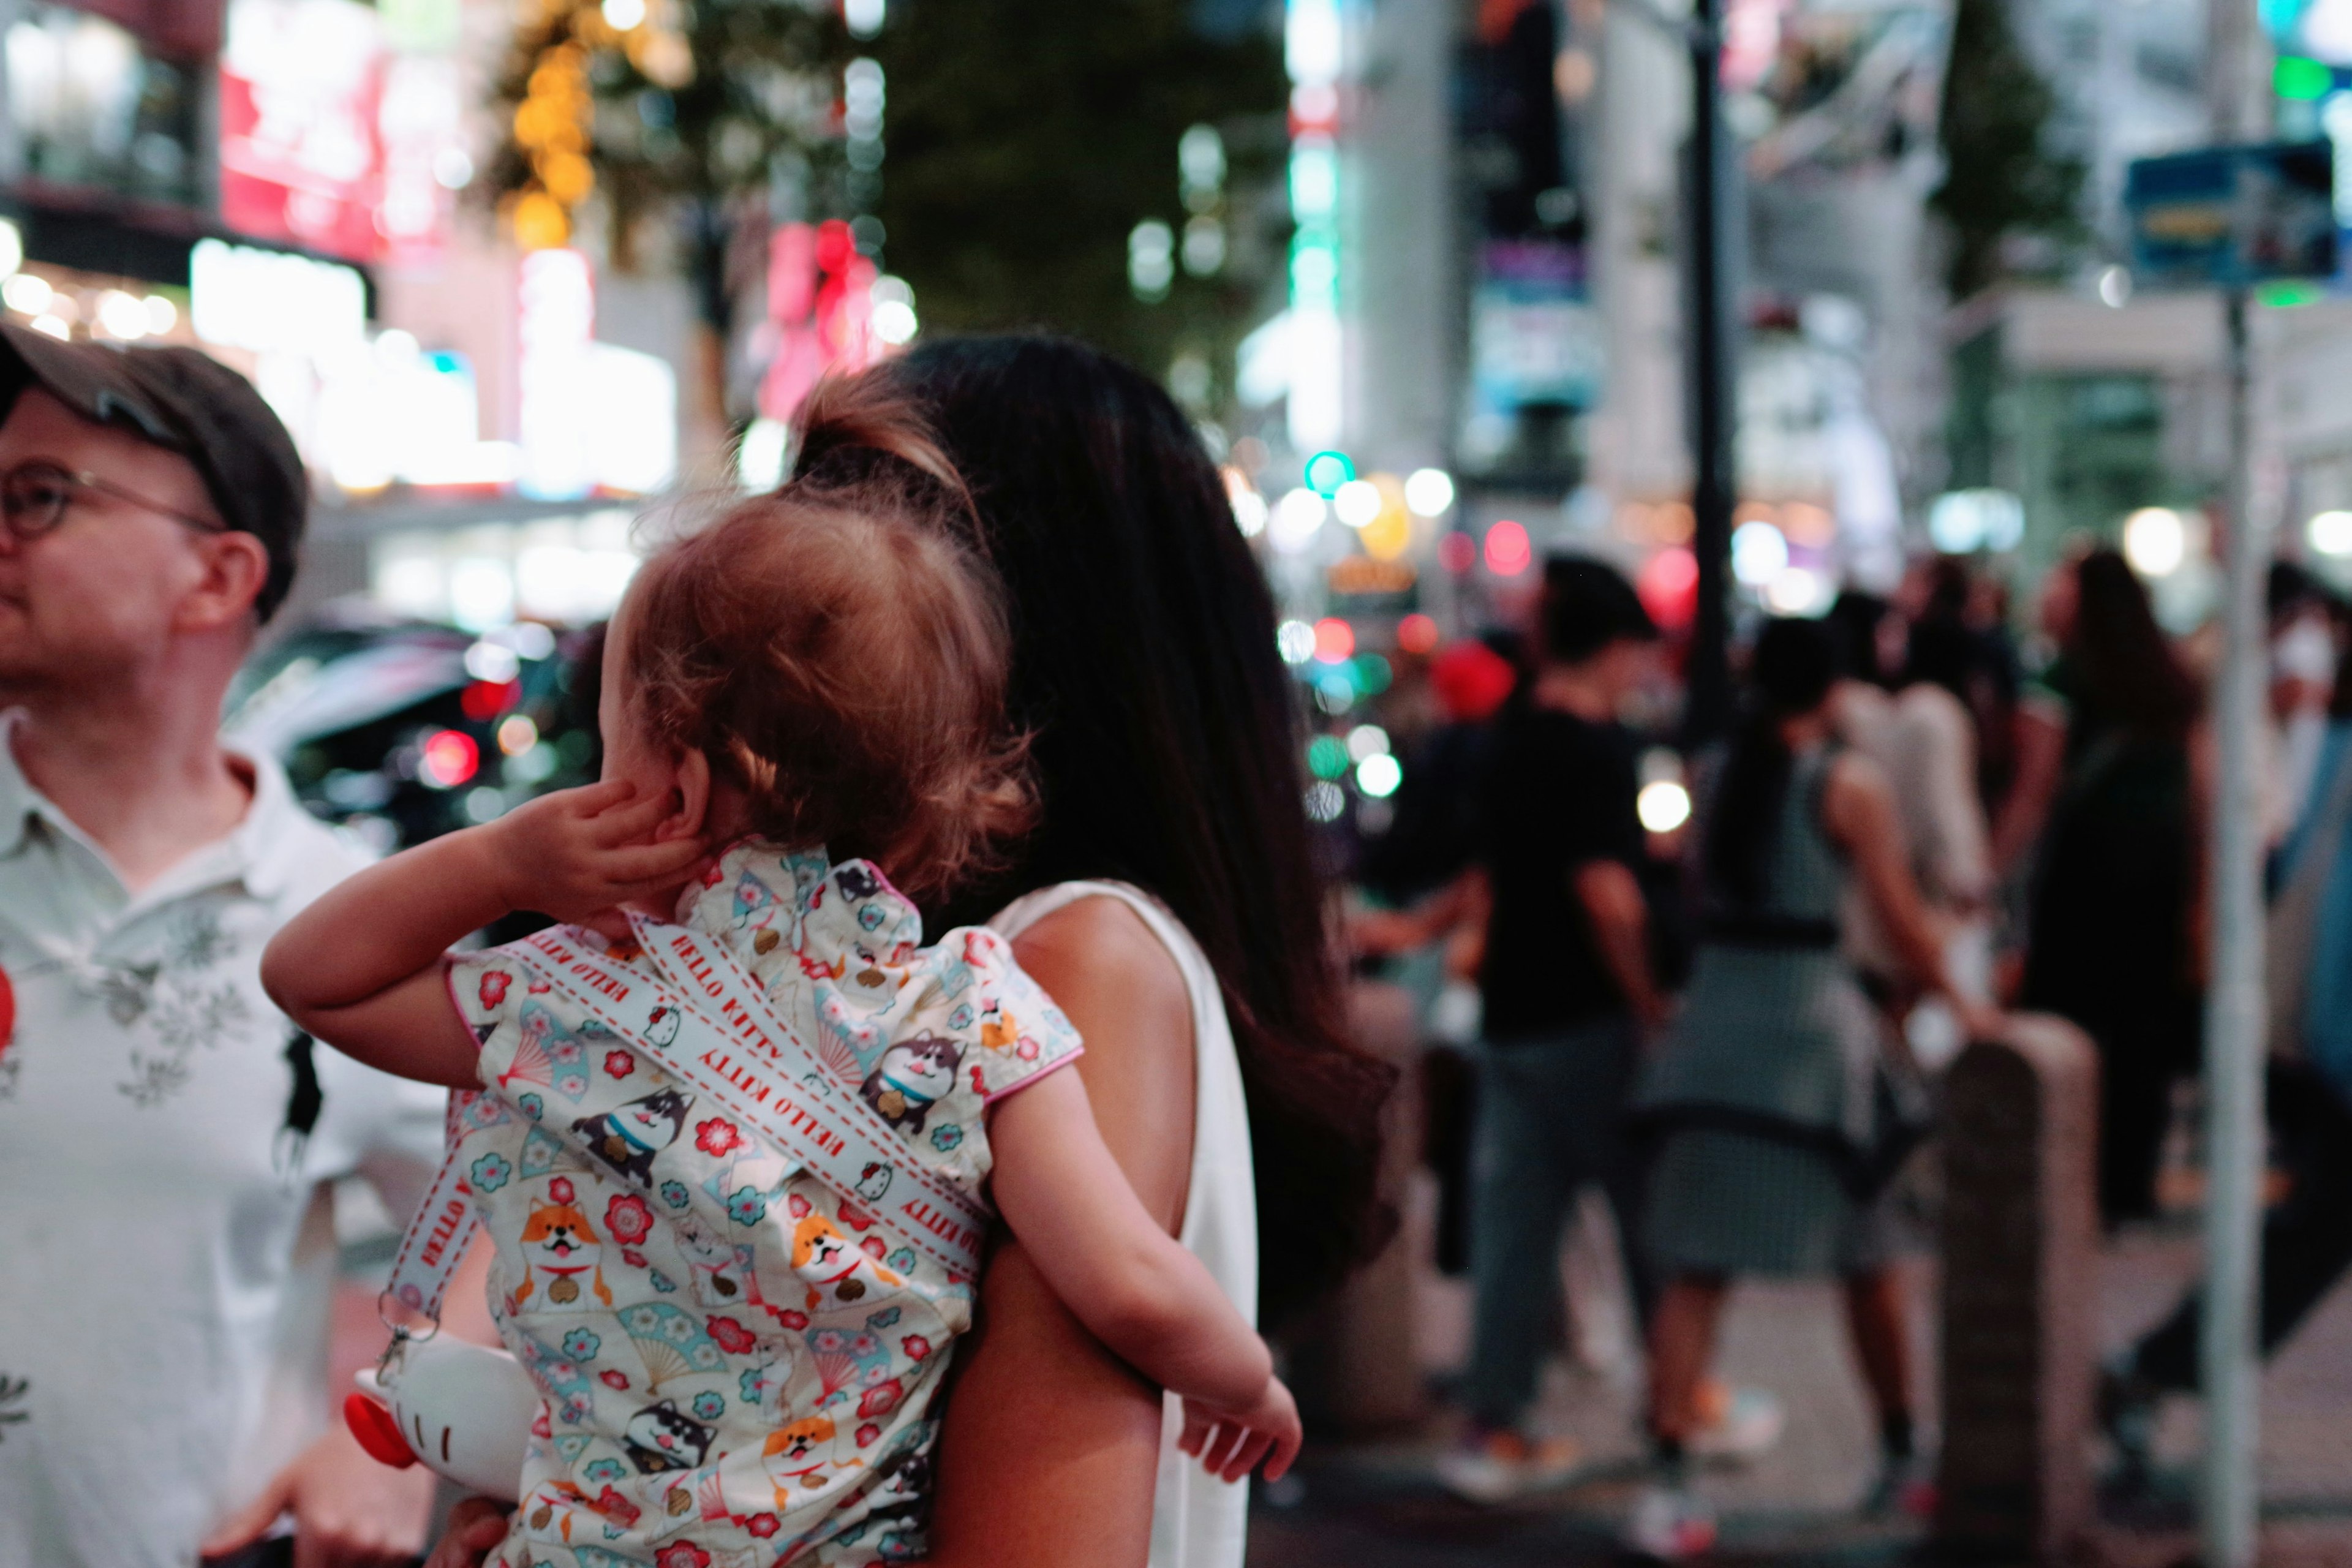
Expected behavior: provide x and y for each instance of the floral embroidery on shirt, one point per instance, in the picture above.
(174, 992)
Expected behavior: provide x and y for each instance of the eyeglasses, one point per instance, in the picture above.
(33, 497)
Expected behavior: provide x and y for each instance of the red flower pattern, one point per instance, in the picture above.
(763, 1525)
(793, 1320)
(881, 1399)
(916, 1346)
(620, 1064)
(682, 1554)
(493, 989)
(716, 1137)
(614, 1379)
(629, 1219)
(618, 1509)
(866, 1433)
(732, 1337)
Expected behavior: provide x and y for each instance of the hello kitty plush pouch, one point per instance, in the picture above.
(735, 1273)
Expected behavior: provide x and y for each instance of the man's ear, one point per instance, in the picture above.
(236, 570)
(693, 784)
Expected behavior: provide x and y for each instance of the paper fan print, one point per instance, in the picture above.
(839, 1060)
(847, 1358)
(532, 1064)
(670, 1344)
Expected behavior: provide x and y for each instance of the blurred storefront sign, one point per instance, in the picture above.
(821, 297)
(565, 569)
(341, 126)
(1535, 339)
(92, 106)
(299, 159)
(593, 415)
(2234, 217)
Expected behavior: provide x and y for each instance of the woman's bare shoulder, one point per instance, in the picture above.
(1099, 948)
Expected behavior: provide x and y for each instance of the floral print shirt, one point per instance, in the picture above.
(740, 1364)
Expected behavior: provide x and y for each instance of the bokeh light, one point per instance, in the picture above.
(1335, 640)
(1295, 640)
(1429, 491)
(1662, 805)
(1417, 634)
(1508, 554)
(1457, 553)
(2155, 541)
(1378, 775)
(447, 759)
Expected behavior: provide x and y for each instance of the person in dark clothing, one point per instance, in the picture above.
(1568, 995)
(2306, 1245)
(2112, 943)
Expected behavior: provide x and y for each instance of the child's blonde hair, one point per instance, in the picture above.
(835, 650)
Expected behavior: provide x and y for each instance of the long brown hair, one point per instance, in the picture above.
(2124, 662)
(1165, 744)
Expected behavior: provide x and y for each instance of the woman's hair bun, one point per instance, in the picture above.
(853, 430)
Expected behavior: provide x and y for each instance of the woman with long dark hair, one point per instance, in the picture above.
(2113, 939)
(1167, 900)
(1779, 1121)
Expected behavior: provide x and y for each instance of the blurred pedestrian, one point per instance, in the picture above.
(1567, 998)
(1781, 1113)
(2306, 1245)
(166, 1137)
(1924, 741)
(2112, 774)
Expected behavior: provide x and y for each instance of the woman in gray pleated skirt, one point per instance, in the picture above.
(1779, 1114)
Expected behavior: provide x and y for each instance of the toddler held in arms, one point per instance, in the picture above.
(735, 1132)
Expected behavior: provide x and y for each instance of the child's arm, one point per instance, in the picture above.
(1133, 1285)
(362, 967)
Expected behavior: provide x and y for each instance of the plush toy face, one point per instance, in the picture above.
(464, 1410)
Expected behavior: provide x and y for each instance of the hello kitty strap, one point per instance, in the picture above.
(729, 1045)
(436, 1238)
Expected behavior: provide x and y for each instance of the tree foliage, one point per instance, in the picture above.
(2001, 182)
(696, 115)
(1026, 140)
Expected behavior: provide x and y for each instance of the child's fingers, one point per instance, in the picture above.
(1286, 1450)
(1220, 1449)
(626, 821)
(1245, 1457)
(589, 800)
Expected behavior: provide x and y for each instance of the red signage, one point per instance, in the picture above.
(301, 160)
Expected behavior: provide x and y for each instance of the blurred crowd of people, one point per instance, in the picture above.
(1721, 989)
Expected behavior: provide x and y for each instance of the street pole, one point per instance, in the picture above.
(2229, 1363)
(1711, 298)
(2230, 1366)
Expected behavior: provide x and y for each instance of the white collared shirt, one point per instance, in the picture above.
(166, 1245)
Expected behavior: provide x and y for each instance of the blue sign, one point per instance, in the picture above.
(2233, 217)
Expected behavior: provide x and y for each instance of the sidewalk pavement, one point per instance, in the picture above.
(1376, 1506)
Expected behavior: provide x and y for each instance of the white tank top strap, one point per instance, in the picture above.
(1197, 1521)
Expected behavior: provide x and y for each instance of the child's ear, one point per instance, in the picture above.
(693, 798)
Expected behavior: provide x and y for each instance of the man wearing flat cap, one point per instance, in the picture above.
(166, 1244)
